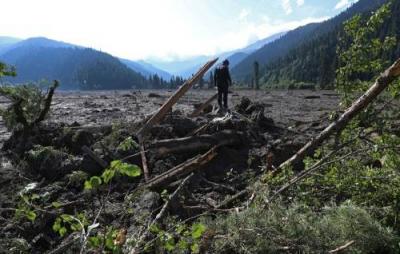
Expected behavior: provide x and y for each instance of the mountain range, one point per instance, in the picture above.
(187, 67)
(304, 55)
(319, 55)
(282, 47)
(42, 58)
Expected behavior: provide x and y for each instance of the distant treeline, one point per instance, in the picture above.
(315, 62)
(307, 56)
(80, 68)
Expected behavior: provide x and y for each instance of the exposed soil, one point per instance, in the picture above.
(277, 122)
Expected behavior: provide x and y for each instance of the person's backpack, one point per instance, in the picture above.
(218, 76)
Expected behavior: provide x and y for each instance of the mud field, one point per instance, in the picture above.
(47, 161)
(298, 109)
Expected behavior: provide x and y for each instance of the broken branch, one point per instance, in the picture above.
(194, 144)
(385, 79)
(200, 109)
(160, 114)
(185, 168)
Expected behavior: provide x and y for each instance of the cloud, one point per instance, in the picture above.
(250, 32)
(287, 7)
(342, 4)
(244, 14)
(300, 2)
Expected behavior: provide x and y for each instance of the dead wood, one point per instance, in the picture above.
(94, 157)
(47, 102)
(167, 147)
(160, 114)
(161, 214)
(181, 170)
(385, 79)
(144, 163)
(231, 200)
(199, 110)
(341, 248)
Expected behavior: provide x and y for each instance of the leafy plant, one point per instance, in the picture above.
(6, 70)
(25, 208)
(67, 223)
(128, 144)
(116, 167)
(181, 239)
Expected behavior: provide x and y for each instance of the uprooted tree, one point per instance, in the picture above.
(29, 105)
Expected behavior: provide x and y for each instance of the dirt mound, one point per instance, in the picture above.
(221, 152)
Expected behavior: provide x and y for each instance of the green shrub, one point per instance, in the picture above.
(299, 229)
(29, 105)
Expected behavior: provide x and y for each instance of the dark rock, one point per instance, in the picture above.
(154, 95)
(89, 166)
(81, 138)
(149, 201)
(243, 105)
(311, 97)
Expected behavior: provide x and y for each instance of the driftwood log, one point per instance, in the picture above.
(167, 147)
(181, 170)
(160, 114)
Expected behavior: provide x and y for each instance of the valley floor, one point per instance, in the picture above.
(296, 109)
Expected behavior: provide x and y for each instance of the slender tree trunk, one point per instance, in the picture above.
(380, 84)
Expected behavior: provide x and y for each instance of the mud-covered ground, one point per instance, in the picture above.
(295, 109)
(283, 119)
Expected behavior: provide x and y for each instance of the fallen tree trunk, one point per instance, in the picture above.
(164, 148)
(160, 114)
(181, 170)
(360, 104)
(199, 110)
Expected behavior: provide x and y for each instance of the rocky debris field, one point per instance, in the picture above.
(74, 176)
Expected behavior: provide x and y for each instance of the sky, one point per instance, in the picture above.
(161, 29)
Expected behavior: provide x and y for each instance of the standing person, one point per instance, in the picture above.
(222, 80)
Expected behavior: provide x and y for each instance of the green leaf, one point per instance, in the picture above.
(170, 243)
(93, 183)
(76, 227)
(129, 170)
(35, 197)
(108, 175)
(195, 248)
(94, 241)
(183, 245)
(57, 225)
(198, 230)
(88, 185)
(31, 215)
(56, 204)
(110, 242)
(128, 144)
(154, 229)
(62, 231)
(66, 218)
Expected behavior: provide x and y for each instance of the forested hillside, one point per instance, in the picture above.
(315, 62)
(282, 47)
(74, 67)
